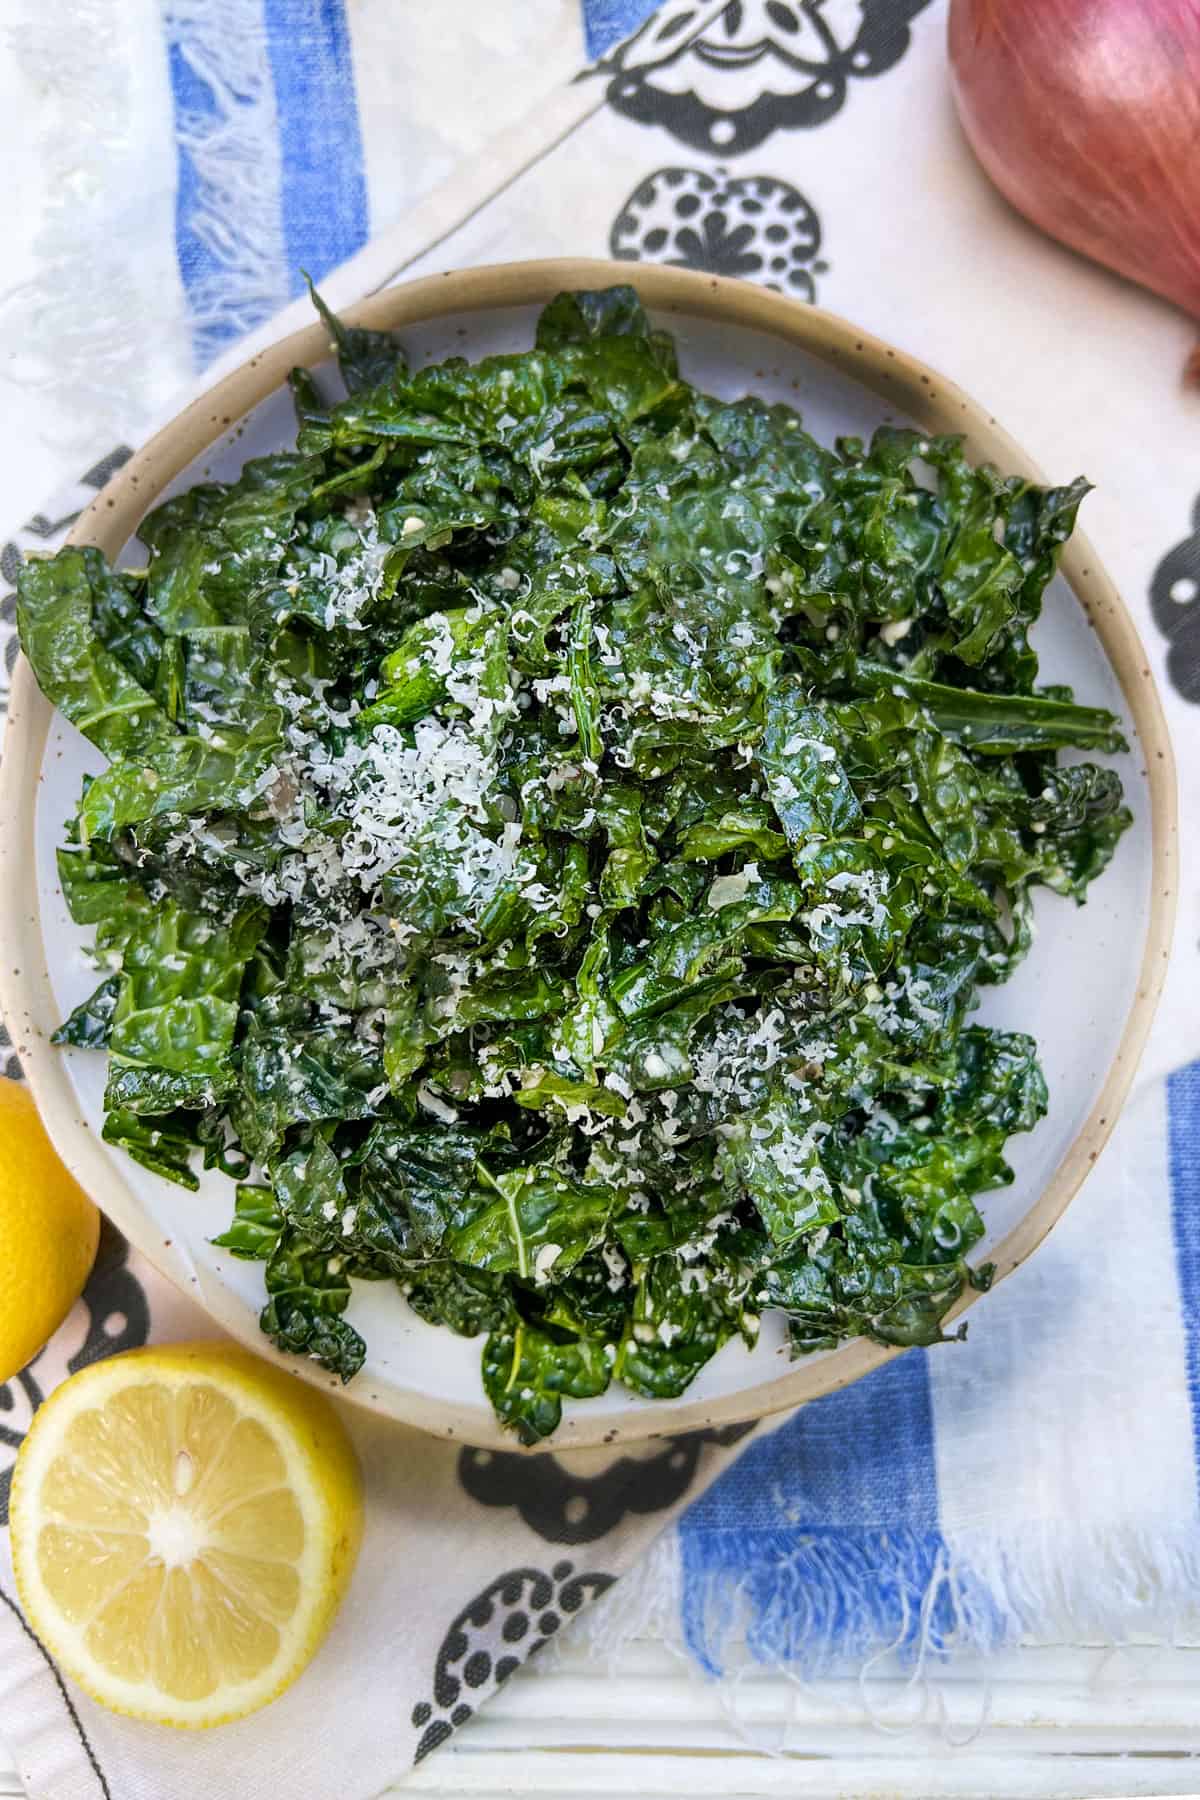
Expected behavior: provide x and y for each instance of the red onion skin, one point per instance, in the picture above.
(1086, 115)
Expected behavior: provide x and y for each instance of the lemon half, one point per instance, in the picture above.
(185, 1520)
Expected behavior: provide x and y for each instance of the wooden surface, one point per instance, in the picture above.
(1042, 1723)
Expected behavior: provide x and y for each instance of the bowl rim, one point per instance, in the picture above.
(937, 404)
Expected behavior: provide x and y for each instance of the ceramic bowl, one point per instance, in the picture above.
(1087, 992)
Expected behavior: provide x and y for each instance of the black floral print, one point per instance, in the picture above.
(726, 84)
(753, 226)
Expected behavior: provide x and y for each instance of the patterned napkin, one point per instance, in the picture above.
(1040, 1479)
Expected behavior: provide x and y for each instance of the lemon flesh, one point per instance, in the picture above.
(49, 1230)
(185, 1521)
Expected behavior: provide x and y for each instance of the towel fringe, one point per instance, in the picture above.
(231, 139)
(817, 1602)
(104, 353)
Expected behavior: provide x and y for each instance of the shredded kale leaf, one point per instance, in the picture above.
(556, 828)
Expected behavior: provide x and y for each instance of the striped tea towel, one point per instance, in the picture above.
(1040, 1479)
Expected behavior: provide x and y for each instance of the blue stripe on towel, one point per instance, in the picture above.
(1183, 1150)
(606, 22)
(823, 1539)
(324, 189)
(194, 101)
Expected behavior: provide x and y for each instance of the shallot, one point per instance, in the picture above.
(1086, 115)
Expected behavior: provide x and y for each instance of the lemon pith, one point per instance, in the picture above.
(48, 1227)
(185, 1521)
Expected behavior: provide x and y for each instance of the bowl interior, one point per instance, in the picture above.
(1074, 993)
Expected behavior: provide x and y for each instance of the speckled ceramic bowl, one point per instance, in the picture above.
(733, 338)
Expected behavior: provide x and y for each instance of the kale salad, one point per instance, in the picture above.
(556, 828)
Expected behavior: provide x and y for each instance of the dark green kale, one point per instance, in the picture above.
(556, 830)
(89, 1026)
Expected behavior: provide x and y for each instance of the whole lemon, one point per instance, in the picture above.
(49, 1230)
